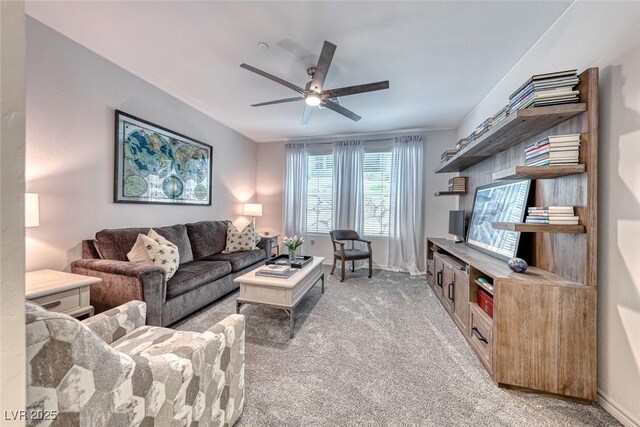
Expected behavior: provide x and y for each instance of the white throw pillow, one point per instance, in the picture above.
(244, 240)
(156, 250)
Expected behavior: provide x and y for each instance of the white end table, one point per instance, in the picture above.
(61, 292)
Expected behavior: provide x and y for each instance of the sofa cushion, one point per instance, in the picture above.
(155, 249)
(195, 274)
(239, 241)
(207, 237)
(239, 260)
(116, 243)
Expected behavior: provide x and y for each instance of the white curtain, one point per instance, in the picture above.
(406, 218)
(295, 190)
(348, 185)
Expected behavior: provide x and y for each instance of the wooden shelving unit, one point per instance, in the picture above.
(545, 317)
(449, 193)
(538, 228)
(516, 128)
(538, 172)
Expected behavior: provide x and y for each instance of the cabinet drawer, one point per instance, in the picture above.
(481, 335)
(60, 302)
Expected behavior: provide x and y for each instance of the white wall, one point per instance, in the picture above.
(269, 188)
(71, 97)
(12, 137)
(604, 35)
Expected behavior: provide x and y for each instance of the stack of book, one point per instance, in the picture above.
(281, 271)
(559, 215)
(461, 144)
(546, 89)
(484, 127)
(554, 150)
(458, 184)
(500, 115)
(447, 155)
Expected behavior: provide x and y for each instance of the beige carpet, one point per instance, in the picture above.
(376, 352)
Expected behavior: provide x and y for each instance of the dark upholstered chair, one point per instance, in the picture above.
(349, 254)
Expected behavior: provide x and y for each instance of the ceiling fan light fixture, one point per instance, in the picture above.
(312, 100)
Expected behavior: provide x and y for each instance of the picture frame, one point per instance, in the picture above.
(156, 165)
(503, 201)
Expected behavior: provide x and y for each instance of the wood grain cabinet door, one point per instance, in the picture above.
(461, 301)
(439, 275)
(448, 287)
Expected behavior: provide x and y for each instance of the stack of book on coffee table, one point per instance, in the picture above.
(279, 271)
(560, 215)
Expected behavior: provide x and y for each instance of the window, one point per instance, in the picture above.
(319, 193)
(377, 193)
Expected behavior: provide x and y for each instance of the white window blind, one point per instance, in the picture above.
(377, 193)
(319, 193)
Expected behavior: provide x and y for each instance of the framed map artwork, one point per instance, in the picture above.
(156, 165)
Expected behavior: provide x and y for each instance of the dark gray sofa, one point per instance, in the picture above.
(205, 273)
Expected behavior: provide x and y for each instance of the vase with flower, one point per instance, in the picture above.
(292, 244)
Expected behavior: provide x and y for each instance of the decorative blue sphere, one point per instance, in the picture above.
(518, 265)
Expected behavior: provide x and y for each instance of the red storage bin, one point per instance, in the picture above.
(485, 301)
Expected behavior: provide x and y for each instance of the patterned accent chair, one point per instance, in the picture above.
(112, 370)
(352, 254)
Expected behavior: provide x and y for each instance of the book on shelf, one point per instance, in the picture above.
(458, 183)
(501, 115)
(552, 221)
(555, 141)
(553, 156)
(461, 144)
(551, 214)
(546, 89)
(551, 162)
(447, 155)
(567, 217)
(556, 209)
(548, 148)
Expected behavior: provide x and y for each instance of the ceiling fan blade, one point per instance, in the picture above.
(272, 77)
(306, 114)
(279, 101)
(352, 90)
(340, 110)
(324, 62)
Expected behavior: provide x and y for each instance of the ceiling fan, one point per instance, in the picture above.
(314, 93)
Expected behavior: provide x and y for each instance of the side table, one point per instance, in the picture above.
(275, 246)
(61, 292)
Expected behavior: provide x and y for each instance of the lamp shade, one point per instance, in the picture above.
(31, 210)
(252, 209)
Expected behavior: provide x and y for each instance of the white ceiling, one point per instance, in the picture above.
(441, 58)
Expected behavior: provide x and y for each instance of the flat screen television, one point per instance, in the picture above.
(456, 225)
(498, 202)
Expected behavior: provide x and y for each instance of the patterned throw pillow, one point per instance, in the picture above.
(244, 240)
(156, 250)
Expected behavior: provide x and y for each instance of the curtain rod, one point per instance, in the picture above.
(338, 139)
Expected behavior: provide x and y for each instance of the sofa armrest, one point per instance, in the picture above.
(232, 363)
(124, 281)
(117, 322)
(266, 243)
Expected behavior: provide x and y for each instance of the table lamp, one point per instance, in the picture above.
(253, 210)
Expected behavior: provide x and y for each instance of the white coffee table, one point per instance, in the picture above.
(280, 293)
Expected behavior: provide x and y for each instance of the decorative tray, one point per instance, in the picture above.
(300, 261)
